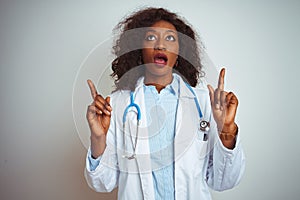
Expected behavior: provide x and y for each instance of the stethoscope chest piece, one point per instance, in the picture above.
(204, 125)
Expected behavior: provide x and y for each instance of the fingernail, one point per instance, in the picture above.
(217, 106)
(107, 105)
(107, 112)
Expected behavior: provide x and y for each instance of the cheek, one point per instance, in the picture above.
(173, 48)
(148, 45)
(147, 55)
(172, 59)
(176, 48)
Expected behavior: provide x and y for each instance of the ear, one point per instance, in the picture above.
(140, 60)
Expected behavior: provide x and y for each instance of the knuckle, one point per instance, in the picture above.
(97, 98)
(99, 105)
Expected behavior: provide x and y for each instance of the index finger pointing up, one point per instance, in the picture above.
(221, 79)
(92, 88)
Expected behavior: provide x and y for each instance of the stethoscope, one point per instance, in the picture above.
(138, 118)
(203, 125)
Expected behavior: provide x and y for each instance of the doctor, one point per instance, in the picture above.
(166, 155)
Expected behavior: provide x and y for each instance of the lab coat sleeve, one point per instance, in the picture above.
(104, 178)
(225, 166)
(93, 162)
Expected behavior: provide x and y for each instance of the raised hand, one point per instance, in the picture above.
(98, 116)
(224, 106)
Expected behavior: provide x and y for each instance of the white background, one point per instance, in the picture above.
(43, 44)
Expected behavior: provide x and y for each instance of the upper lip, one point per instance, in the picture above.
(161, 56)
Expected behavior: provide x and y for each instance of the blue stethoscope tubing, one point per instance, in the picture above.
(204, 125)
(196, 101)
(138, 117)
(132, 104)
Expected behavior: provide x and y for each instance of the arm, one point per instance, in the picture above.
(102, 175)
(226, 161)
(225, 166)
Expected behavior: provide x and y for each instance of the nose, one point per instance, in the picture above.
(160, 48)
(160, 45)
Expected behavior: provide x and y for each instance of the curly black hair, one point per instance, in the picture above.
(128, 54)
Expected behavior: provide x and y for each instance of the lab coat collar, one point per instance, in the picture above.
(183, 89)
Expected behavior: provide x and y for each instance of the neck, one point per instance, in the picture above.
(159, 82)
(157, 86)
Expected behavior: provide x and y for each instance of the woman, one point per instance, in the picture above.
(167, 154)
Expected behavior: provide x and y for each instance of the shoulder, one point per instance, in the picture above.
(118, 101)
(119, 95)
(201, 89)
(203, 97)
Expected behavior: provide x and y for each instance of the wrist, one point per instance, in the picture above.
(228, 135)
(98, 145)
(229, 129)
(98, 137)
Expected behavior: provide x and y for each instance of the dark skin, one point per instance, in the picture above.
(162, 39)
(224, 106)
(98, 116)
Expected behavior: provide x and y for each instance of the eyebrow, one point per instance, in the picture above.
(153, 30)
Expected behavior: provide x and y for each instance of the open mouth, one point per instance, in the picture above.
(160, 59)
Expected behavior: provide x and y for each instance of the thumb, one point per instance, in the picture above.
(107, 99)
(232, 105)
(107, 104)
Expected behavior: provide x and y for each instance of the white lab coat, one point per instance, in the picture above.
(198, 164)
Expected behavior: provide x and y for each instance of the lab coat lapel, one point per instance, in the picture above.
(143, 150)
(185, 133)
(186, 120)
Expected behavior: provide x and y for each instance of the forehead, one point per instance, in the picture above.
(162, 26)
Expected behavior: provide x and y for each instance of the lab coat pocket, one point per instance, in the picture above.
(202, 144)
(197, 155)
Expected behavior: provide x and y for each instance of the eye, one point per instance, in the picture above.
(150, 37)
(170, 38)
